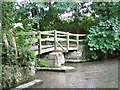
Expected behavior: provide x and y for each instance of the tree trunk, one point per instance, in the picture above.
(13, 43)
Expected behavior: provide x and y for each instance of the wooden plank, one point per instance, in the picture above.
(47, 39)
(61, 39)
(47, 50)
(40, 44)
(82, 34)
(61, 46)
(71, 34)
(72, 48)
(77, 41)
(52, 31)
(48, 34)
(71, 45)
(81, 40)
(55, 40)
(27, 33)
(47, 46)
(67, 41)
(43, 46)
(61, 35)
(34, 47)
(61, 50)
(31, 33)
(72, 40)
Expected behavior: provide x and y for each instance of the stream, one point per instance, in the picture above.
(95, 74)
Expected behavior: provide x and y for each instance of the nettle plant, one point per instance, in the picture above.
(104, 39)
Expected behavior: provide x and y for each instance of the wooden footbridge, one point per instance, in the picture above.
(47, 41)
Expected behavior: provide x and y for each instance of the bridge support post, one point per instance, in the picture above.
(56, 59)
(55, 40)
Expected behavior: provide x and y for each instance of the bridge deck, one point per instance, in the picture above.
(49, 48)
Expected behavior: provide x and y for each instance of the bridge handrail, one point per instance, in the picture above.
(56, 37)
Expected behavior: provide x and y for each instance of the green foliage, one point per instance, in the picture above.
(14, 75)
(35, 16)
(7, 14)
(104, 38)
(46, 16)
(41, 62)
(9, 61)
(26, 56)
(8, 56)
(106, 10)
(24, 43)
(84, 25)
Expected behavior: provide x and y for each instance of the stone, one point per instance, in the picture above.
(21, 74)
(73, 55)
(75, 61)
(76, 54)
(58, 69)
(56, 59)
(32, 72)
(28, 85)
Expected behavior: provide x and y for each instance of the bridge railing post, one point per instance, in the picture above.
(55, 40)
(47, 43)
(77, 41)
(40, 44)
(67, 41)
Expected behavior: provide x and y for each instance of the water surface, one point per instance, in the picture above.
(95, 74)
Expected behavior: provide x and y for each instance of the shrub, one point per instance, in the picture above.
(41, 62)
(103, 39)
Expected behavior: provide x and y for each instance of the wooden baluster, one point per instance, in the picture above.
(55, 40)
(47, 43)
(67, 41)
(77, 41)
(40, 44)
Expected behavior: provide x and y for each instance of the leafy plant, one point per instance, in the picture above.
(26, 56)
(10, 51)
(41, 63)
(105, 10)
(24, 43)
(104, 38)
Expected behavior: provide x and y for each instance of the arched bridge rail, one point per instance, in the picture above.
(47, 41)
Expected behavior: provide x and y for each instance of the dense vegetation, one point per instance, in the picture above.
(100, 20)
(104, 38)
